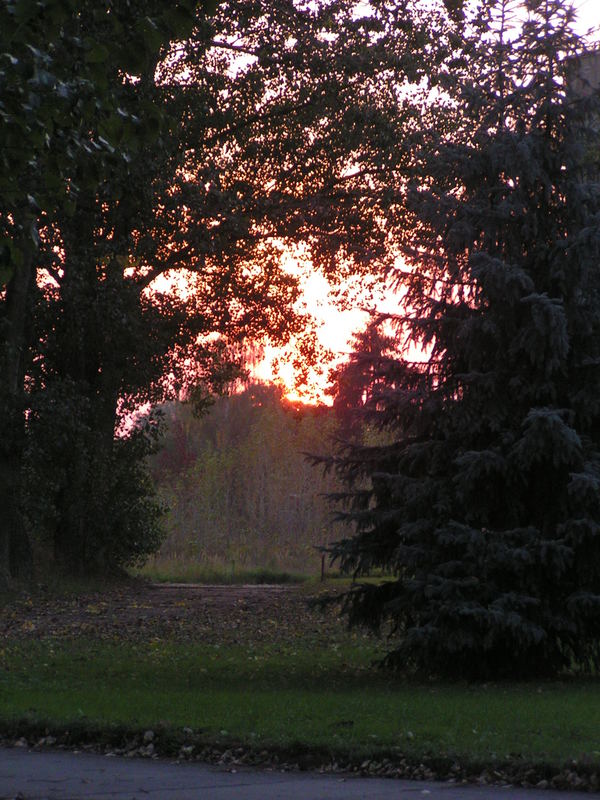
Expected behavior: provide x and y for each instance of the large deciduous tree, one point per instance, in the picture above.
(485, 504)
(264, 128)
(59, 101)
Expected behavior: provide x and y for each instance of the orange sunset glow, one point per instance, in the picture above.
(335, 322)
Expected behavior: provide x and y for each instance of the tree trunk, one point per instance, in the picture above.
(15, 548)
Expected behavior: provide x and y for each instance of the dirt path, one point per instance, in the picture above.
(181, 612)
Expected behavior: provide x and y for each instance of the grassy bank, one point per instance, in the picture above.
(293, 697)
(180, 571)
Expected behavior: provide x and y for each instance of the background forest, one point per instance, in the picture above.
(240, 492)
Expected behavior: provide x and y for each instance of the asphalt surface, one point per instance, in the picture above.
(58, 775)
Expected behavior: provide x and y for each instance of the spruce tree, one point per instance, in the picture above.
(486, 502)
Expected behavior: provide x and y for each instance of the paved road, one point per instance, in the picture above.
(61, 775)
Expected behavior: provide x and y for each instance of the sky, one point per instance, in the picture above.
(589, 14)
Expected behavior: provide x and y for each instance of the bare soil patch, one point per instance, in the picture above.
(179, 612)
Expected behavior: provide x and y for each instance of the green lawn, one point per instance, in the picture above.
(290, 695)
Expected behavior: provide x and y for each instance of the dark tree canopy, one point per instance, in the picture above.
(202, 144)
(485, 503)
(63, 123)
(353, 383)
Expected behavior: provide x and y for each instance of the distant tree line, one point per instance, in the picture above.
(239, 489)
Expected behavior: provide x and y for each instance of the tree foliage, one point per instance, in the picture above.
(486, 504)
(159, 142)
(61, 73)
(354, 383)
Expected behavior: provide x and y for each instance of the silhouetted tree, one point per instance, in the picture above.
(62, 76)
(486, 506)
(354, 382)
(261, 129)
